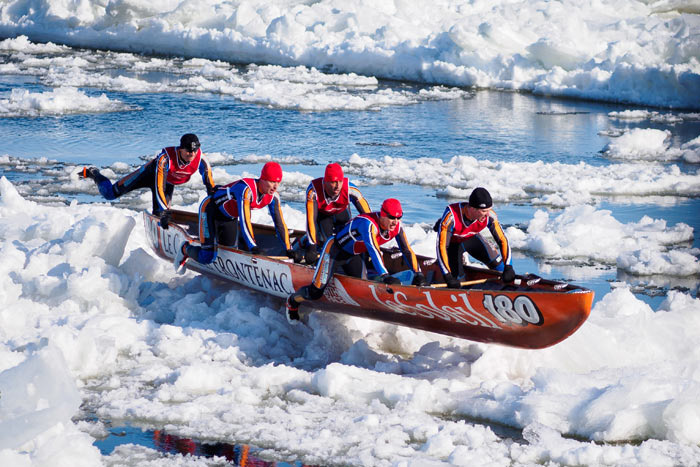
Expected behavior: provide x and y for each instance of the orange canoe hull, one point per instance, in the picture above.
(529, 314)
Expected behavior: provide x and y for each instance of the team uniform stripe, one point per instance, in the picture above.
(359, 201)
(443, 232)
(203, 219)
(205, 170)
(281, 227)
(311, 214)
(323, 272)
(244, 211)
(374, 250)
(502, 241)
(409, 255)
(161, 177)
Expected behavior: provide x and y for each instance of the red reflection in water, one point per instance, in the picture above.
(239, 454)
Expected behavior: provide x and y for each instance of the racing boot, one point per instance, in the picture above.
(89, 172)
(292, 310)
(104, 186)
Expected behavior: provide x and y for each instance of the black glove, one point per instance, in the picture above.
(508, 274)
(388, 279)
(418, 279)
(255, 250)
(212, 190)
(451, 282)
(311, 255)
(296, 255)
(164, 219)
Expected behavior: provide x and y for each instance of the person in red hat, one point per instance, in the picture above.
(459, 230)
(224, 217)
(328, 201)
(174, 165)
(363, 234)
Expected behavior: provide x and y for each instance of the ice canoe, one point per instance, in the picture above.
(531, 313)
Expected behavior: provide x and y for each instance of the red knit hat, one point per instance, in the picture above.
(272, 172)
(392, 207)
(334, 173)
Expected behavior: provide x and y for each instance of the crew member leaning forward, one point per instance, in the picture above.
(224, 217)
(364, 233)
(460, 229)
(328, 208)
(173, 166)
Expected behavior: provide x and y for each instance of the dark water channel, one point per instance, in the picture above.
(239, 455)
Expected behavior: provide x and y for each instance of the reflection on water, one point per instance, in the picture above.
(241, 455)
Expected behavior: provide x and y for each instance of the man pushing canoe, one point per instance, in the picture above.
(224, 217)
(363, 234)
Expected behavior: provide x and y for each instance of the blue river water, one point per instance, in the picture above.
(235, 455)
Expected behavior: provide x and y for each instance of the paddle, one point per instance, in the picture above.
(474, 282)
(530, 280)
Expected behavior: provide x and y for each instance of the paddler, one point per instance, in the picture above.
(224, 217)
(363, 234)
(460, 229)
(174, 165)
(328, 201)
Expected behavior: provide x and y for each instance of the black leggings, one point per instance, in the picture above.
(327, 225)
(476, 248)
(143, 177)
(331, 259)
(214, 228)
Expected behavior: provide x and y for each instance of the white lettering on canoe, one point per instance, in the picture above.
(258, 273)
(458, 314)
(170, 240)
(265, 275)
(521, 311)
(484, 321)
(152, 232)
(336, 293)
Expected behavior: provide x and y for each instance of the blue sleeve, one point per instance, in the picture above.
(312, 227)
(205, 172)
(409, 256)
(500, 237)
(368, 232)
(243, 196)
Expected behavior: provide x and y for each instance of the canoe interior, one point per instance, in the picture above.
(393, 259)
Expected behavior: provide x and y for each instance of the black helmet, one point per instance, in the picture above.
(189, 142)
